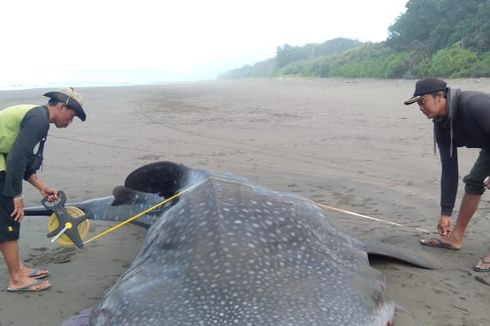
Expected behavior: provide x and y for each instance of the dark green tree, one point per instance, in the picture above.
(431, 25)
(287, 54)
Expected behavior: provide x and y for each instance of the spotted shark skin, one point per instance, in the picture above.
(230, 253)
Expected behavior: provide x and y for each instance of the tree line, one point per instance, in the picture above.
(445, 38)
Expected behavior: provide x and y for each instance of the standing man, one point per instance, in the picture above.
(22, 127)
(461, 118)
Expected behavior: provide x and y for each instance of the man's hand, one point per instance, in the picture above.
(486, 182)
(444, 226)
(50, 193)
(18, 213)
(46, 191)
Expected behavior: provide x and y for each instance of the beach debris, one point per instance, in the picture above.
(44, 256)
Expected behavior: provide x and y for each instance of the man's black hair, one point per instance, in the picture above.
(444, 93)
(52, 101)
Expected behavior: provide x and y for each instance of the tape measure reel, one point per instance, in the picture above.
(83, 227)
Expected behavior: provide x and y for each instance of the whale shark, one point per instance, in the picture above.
(232, 253)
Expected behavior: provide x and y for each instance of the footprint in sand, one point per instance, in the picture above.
(43, 256)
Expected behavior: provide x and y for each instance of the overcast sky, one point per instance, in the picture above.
(46, 41)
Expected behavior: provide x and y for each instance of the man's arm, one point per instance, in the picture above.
(449, 185)
(449, 178)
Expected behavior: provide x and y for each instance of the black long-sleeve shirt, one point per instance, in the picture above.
(469, 113)
(33, 128)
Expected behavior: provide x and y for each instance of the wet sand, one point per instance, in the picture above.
(350, 144)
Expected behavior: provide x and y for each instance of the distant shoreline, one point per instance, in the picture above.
(27, 86)
(18, 87)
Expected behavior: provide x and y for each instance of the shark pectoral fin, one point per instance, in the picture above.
(382, 249)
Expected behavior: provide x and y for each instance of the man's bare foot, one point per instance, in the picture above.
(445, 243)
(483, 264)
(26, 284)
(35, 273)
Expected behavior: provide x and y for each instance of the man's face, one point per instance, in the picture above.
(432, 105)
(65, 117)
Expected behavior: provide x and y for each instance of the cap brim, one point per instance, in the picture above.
(72, 103)
(412, 100)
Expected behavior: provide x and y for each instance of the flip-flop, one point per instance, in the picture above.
(437, 243)
(29, 288)
(482, 261)
(38, 274)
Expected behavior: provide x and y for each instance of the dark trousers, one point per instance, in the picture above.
(9, 228)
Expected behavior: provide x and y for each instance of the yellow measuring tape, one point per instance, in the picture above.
(198, 184)
(62, 238)
(367, 217)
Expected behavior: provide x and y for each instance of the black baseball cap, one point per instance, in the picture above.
(426, 86)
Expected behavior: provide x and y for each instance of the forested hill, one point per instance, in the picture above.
(445, 38)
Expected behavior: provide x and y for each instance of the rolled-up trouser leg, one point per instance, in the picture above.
(480, 170)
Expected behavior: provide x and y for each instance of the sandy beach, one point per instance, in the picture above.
(349, 144)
